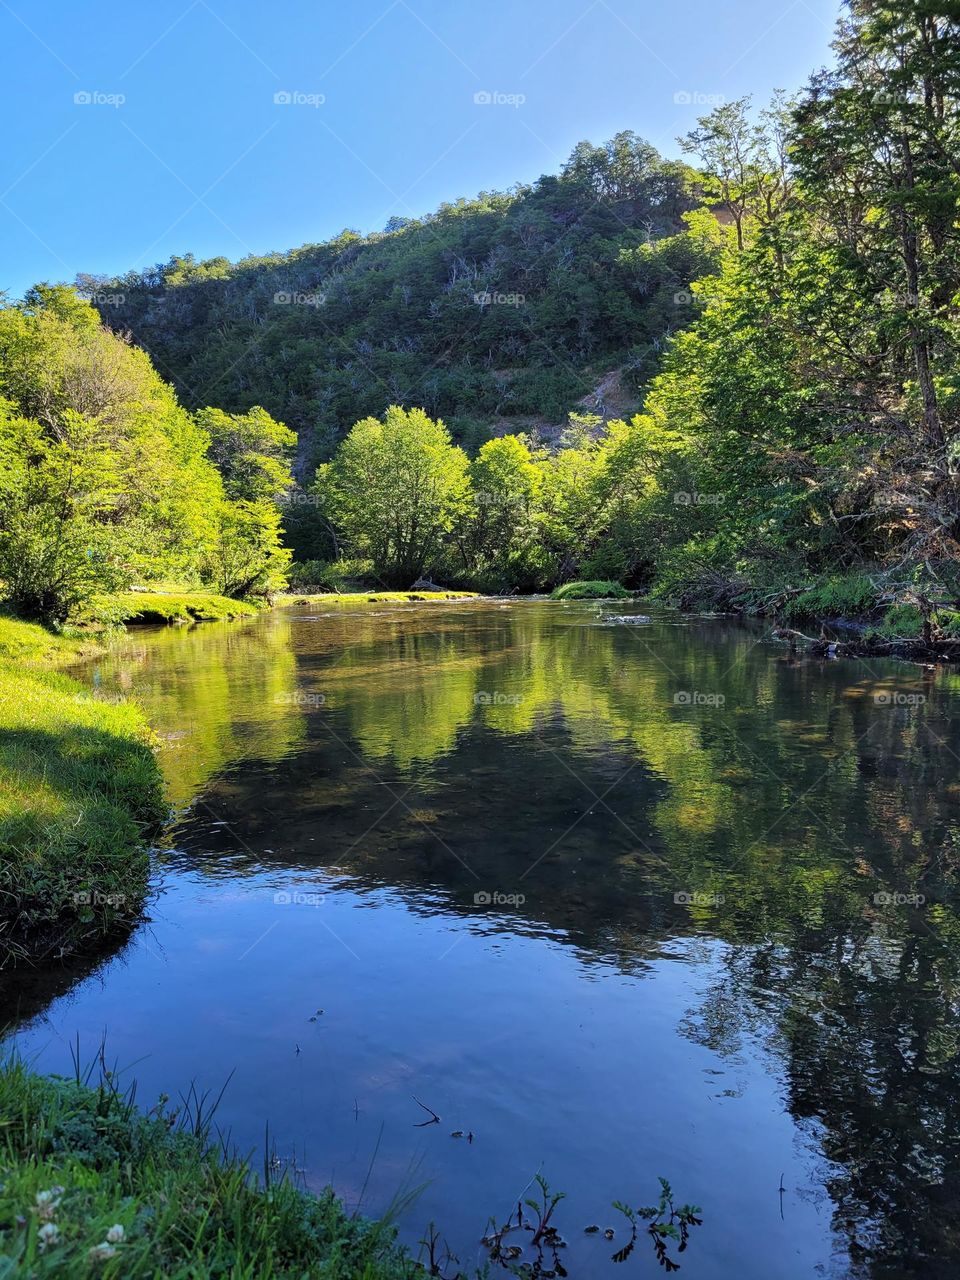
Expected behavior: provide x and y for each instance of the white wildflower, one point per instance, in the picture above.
(115, 1234)
(49, 1235)
(101, 1252)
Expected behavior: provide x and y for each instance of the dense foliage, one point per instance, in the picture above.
(106, 481)
(817, 393)
(503, 307)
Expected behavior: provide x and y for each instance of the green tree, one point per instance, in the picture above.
(501, 539)
(398, 489)
(59, 538)
(247, 556)
(251, 451)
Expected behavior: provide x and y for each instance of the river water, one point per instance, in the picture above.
(614, 900)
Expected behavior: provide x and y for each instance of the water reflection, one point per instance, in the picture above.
(635, 795)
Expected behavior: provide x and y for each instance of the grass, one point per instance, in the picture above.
(376, 597)
(173, 606)
(79, 787)
(91, 1186)
(595, 590)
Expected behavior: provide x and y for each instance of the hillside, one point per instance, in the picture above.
(500, 313)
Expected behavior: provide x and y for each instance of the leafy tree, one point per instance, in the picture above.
(251, 451)
(398, 488)
(247, 556)
(501, 541)
(59, 543)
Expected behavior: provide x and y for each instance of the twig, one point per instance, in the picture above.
(429, 1110)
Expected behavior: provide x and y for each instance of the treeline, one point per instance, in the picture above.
(505, 307)
(798, 448)
(400, 500)
(106, 481)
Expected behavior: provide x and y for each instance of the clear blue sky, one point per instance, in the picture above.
(199, 157)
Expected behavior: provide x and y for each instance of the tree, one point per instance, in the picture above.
(500, 542)
(59, 541)
(247, 557)
(398, 488)
(251, 451)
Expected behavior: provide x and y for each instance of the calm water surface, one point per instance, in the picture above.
(618, 900)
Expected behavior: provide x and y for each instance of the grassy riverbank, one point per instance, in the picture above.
(79, 788)
(172, 606)
(91, 1186)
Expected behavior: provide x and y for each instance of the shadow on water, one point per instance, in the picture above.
(637, 797)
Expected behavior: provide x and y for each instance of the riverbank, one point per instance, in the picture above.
(345, 599)
(90, 1185)
(80, 790)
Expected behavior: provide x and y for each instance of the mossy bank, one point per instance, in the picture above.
(80, 791)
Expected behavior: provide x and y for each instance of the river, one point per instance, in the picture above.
(613, 900)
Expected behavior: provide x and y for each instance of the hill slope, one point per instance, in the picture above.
(500, 312)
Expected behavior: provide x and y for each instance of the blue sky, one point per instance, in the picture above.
(139, 130)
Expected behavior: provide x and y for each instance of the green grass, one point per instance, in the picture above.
(25, 643)
(85, 1161)
(376, 597)
(79, 786)
(184, 606)
(595, 590)
(849, 596)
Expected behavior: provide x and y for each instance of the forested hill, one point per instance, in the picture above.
(499, 313)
